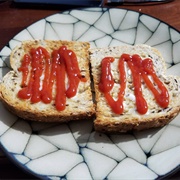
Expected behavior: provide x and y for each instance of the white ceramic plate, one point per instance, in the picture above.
(75, 150)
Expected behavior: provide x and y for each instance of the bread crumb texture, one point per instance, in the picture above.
(130, 119)
(78, 107)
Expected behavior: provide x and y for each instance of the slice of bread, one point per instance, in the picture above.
(156, 116)
(78, 107)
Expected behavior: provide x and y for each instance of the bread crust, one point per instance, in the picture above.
(79, 107)
(82, 106)
(47, 117)
(106, 125)
(109, 122)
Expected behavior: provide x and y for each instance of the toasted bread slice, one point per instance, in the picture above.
(130, 119)
(78, 107)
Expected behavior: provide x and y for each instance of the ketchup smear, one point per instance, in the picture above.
(53, 68)
(141, 70)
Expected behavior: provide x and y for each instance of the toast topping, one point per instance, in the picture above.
(141, 70)
(41, 67)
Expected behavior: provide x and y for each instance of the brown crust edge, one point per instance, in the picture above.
(113, 127)
(40, 117)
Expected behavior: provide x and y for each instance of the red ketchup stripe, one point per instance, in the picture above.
(72, 69)
(60, 99)
(141, 70)
(107, 83)
(53, 68)
(37, 68)
(73, 80)
(161, 95)
(134, 64)
(46, 95)
(25, 92)
(25, 69)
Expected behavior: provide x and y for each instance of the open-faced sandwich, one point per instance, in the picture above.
(131, 88)
(50, 82)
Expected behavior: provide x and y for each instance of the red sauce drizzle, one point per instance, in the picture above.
(52, 68)
(24, 69)
(73, 71)
(141, 70)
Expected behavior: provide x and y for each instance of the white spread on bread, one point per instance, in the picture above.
(106, 120)
(79, 107)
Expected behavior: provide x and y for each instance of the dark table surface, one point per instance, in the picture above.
(13, 19)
